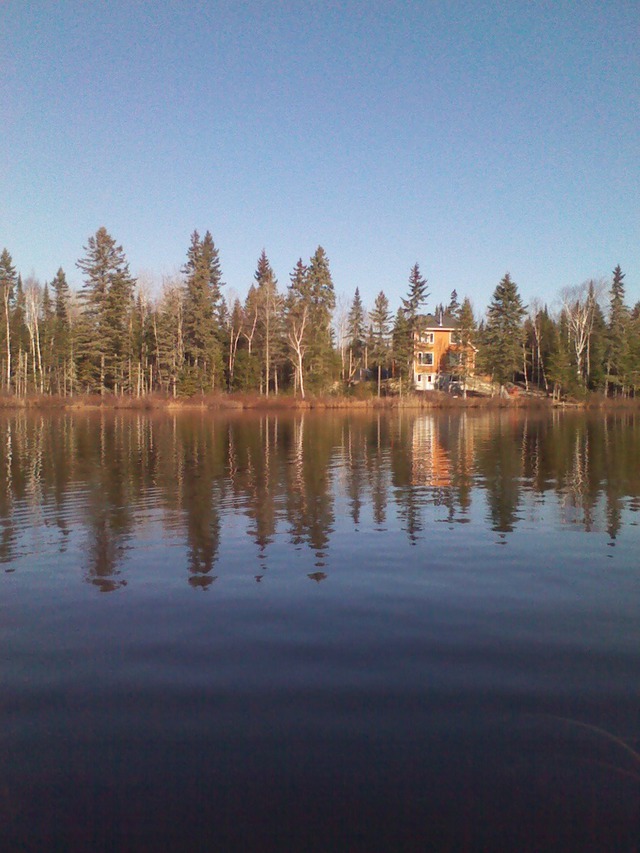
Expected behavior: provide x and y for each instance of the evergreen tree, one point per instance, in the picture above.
(402, 345)
(356, 331)
(61, 297)
(617, 343)
(62, 355)
(168, 336)
(8, 283)
(19, 338)
(559, 368)
(633, 359)
(202, 332)
(48, 337)
(380, 324)
(453, 308)
(142, 344)
(268, 303)
(411, 306)
(416, 298)
(465, 338)
(321, 300)
(504, 331)
(107, 296)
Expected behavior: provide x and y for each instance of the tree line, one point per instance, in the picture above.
(113, 337)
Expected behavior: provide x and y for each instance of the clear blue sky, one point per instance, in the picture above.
(472, 137)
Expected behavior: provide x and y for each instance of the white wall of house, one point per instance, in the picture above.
(425, 381)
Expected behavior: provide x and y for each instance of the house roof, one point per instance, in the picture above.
(441, 321)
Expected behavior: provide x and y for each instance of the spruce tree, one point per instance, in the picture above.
(168, 335)
(19, 338)
(504, 330)
(617, 338)
(107, 296)
(62, 363)
(560, 371)
(380, 324)
(453, 309)
(633, 358)
(356, 332)
(416, 298)
(203, 279)
(48, 337)
(465, 339)
(322, 301)
(268, 303)
(402, 345)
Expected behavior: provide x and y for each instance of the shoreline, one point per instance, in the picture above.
(246, 402)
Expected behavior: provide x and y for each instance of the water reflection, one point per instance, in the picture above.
(112, 481)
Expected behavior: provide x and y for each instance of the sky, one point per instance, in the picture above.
(473, 138)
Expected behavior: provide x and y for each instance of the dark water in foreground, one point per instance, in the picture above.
(330, 632)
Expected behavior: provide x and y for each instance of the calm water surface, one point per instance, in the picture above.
(319, 632)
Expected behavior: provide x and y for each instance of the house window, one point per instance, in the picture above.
(429, 379)
(427, 358)
(426, 337)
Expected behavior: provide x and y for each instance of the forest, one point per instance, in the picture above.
(114, 337)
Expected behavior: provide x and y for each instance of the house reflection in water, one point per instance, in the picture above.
(431, 463)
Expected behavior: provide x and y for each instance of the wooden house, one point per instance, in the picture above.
(437, 359)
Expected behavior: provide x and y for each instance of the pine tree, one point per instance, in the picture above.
(203, 279)
(380, 324)
(504, 330)
(107, 296)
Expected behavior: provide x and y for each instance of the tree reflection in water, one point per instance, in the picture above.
(104, 476)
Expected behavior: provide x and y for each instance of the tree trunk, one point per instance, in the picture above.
(8, 332)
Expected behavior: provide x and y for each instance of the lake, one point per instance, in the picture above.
(320, 631)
